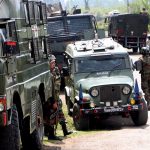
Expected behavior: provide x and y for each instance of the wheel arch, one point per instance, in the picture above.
(41, 92)
(17, 102)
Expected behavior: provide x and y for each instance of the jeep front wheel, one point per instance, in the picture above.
(140, 117)
(80, 122)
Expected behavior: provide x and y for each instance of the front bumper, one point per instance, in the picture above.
(115, 109)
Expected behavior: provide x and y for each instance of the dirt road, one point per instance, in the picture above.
(116, 133)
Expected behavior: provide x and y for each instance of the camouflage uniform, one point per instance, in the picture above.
(53, 107)
(145, 77)
(56, 81)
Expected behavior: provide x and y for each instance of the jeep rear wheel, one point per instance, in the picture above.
(69, 107)
(10, 135)
(80, 122)
(69, 104)
(140, 117)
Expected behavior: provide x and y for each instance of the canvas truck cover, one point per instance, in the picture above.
(129, 25)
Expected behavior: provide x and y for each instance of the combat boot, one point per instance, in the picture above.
(52, 135)
(65, 131)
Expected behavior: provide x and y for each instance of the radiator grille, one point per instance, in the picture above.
(110, 93)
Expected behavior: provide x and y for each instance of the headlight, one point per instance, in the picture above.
(126, 90)
(92, 105)
(1, 107)
(94, 92)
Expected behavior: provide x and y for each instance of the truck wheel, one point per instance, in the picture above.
(10, 135)
(80, 122)
(140, 117)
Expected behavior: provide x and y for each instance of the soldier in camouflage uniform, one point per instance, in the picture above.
(145, 73)
(54, 108)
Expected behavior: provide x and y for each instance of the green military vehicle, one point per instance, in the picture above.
(24, 73)
(100, 83)
(130, 30)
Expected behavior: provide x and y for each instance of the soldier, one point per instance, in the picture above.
(144, 63)
(144, 12)
(54, 108)
(50, 118)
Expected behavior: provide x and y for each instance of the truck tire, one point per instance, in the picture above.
(31, 141)
(10, 135)
(80, 122)
(36, 143)
(140, 117)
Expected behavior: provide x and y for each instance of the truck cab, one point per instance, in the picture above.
(99, 83)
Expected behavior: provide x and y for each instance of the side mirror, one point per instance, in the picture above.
(65, 71)
(138, 65)
(145, 50)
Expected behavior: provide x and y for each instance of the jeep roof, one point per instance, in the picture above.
(94, 47)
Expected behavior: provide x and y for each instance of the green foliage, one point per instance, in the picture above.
(137, 5)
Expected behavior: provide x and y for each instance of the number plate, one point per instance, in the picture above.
(113, 109)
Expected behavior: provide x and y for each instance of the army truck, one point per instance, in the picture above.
(130, 30)
(24, 73)
(100, 83)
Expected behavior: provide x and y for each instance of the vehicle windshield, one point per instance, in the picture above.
(69, 25)
(77, 25)
(56, 27)
(100, 64)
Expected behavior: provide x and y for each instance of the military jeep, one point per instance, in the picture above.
(100, 83)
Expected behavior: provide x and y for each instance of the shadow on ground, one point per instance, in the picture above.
(112, 123)
(51, 148)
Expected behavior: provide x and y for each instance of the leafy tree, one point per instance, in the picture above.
(86, 4)
(137, 5)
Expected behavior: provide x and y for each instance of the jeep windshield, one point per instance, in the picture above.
(101, 64)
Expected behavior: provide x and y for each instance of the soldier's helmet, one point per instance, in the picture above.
(52, 58)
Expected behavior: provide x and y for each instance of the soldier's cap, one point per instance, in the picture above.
(52, 58)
